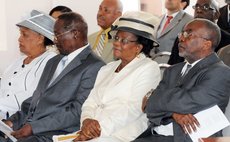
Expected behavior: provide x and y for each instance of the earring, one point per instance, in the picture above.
(138, 55)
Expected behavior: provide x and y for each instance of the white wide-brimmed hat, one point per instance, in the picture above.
(137, 22)
(40, 23)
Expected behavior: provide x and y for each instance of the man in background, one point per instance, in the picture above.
(206, 9)
(224, 19)
(108, 12)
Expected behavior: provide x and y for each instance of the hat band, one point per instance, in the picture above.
(136, 21)
(40, 26)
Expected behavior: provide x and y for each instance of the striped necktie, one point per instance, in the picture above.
(188, 67)
(100, 45)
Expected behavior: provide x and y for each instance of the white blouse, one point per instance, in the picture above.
(19, 82)
(116, 99)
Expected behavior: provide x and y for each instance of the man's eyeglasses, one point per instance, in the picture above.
(186, 35)
(61, 34)
(202, 7)
(123, 41)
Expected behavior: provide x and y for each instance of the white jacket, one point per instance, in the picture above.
(116, 99)
(19, 82)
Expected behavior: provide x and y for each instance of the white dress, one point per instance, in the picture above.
(116, 99)
(19, 82)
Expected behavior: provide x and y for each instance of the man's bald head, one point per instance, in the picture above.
(109, 11)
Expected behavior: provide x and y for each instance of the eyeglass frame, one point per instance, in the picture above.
(61, 34)
(202, 7)
(123, 41)
(186, 35)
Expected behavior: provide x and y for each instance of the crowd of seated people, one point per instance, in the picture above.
(106, 87)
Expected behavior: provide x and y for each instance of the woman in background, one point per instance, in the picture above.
(58, 10)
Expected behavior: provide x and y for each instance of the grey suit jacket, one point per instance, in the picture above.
(56, 109)
(206, 84)
(169, 35)
(107, 53)
(224, 54)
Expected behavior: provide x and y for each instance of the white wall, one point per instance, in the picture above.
(15, 11)
(12, 12)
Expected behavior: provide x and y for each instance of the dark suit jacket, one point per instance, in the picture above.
(56, 109)
(223, 19)
(206, 84)
(175, 58)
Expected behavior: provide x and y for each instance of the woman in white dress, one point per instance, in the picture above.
(112, 112)
(20, 79)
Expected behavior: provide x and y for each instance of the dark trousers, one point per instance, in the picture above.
(28, 139)
(147, 136)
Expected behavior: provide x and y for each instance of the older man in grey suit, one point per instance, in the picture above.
(187, 88)
(55, 106)
(172, 23)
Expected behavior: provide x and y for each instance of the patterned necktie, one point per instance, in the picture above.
(169, 18)
(188, 67)
(59, 68)
(100, 45)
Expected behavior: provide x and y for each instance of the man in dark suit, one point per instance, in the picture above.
(183, 92)
(55, 106)
(224, 19)
(207, 9)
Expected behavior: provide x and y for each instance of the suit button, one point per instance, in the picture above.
(15, 72)
(102, 106)
(9, 83)
(7, 95)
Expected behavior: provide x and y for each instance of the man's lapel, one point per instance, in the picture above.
(72, 65)
(174, 22)
(204, 63)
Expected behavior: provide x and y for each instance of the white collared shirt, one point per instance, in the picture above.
(228, 13)
(192, 65)
(72, 55)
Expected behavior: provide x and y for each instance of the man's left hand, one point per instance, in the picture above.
(25, 131)
(187, 121)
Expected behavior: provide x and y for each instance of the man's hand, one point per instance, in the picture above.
(9, 123)
(145, 99)
(25, 131)
(144, 102)
(91, 128)
(81, 137)
(187, 121)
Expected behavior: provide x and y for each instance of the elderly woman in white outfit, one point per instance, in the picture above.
(20, 79)
(112, 112)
